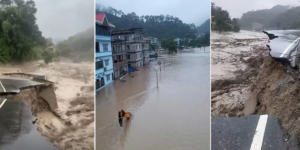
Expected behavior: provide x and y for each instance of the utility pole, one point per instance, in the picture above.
(156, 76)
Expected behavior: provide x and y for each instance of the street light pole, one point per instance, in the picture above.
(156, 76)
(156, 79)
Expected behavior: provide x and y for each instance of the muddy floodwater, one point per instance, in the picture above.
(174, 116)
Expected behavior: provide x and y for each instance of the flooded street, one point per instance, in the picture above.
(174, 116)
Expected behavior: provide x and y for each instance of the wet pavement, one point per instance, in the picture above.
(285, 38)
(242, 132)
(17, 132)
(174, 116)
(14, 85)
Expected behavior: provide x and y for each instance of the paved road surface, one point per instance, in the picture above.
(16, 129)
(13, 85)
(243, 133)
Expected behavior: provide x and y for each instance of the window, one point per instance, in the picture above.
(105, 47)
(102, 30)
(99, 65)
(97, 47)
(128, 56)
(119, 49)
(127, 47)
(106, 62)
(107, 77)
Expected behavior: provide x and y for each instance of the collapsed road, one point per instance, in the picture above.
(17, 129)
(271, 87)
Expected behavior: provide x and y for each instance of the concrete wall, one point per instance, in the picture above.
(106, 57)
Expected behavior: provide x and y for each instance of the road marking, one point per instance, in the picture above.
(259, 133)
(2, 103)
(288, 48)
(2, 86)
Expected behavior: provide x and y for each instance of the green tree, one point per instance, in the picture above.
(19, 33)
(49, 42)
(159, 26)
(170, 45)
(235, 25)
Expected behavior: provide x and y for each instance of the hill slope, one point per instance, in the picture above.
(160, 26)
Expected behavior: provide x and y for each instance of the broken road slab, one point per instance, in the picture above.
(17, 130)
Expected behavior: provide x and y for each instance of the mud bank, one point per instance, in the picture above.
(264, 86)
(70, 125)
(236, 59)
(277, 92)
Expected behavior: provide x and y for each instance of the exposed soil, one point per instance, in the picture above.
(264, 86)
(71, 125)
(236, 60)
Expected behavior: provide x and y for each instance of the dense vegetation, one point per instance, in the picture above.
(165, 27)
(222, 20)
(21, 40)
(81, 44)
(20, 37)
(204, 28)
(270, 18)
(161, 26)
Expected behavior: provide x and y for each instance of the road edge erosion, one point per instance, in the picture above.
(273, 89)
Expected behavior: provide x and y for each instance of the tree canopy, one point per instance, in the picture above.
(81, 43)
(161, 26)
(204, 28)
(19, 33)
(268, 18)
(222, 20)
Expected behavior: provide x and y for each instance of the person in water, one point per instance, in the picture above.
(120, 118)
(122, 114)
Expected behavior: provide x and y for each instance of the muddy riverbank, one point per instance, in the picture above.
(236, 59)
(272, 87)
(71, 125)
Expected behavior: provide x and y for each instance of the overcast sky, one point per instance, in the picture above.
(189, 11)
(236, 8)
(60, 19)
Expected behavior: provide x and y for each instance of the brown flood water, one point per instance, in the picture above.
(174, 116)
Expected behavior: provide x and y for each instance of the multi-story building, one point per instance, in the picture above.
(146, 49)
(103, 52)
(135, 45)
(119, 57)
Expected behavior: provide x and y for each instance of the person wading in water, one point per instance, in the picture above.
(122, 114)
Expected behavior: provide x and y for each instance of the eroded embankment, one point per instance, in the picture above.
(69, 122)
(266, 86)
(55, 124)
(277, 91)
(236, 61)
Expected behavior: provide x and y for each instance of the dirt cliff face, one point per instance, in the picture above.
(277, 88)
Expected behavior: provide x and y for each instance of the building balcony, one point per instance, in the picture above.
(119, 63)
(134, 50)
(102, 54)
(135, 41)
(117, 52)
(103, 38)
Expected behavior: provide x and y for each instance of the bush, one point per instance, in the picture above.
(48, 56)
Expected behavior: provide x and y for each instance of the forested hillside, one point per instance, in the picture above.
(20, 37)
(82, 43)
(266, 17)
(162, 26)
(204, 28)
